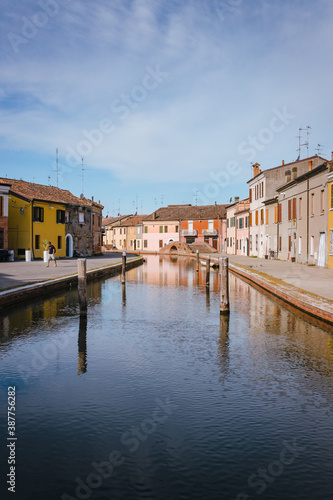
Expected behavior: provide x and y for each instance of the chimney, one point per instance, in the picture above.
(310, 165)
(256, 169)
(282, 162)
(294, 172)
(99, 202)
(287, 176)
(154, 215)
(92, 198)
(236, 199)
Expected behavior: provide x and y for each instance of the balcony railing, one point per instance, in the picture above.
(189, 232)
(210, 232)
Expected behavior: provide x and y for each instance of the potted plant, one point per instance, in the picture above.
(45, 246)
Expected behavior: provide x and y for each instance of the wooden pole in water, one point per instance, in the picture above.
(123, 268)
(197, 261)
(82, 285)
(207, 271)
(224, 285)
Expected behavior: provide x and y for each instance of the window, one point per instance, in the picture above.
(227, 222)
(289, 209)
(37, 242)
(280, 244)
(160, 243)
(240, 223)
(256, 242)
(59, 242)
(165, 229)
(67, 217)
(146, 229)
(250, 193)
(161, 229)
(138, 242)
(177, 229)
(256, 217)
(312, 204)
(289, 243)
(267, 216)
(300, 245)
(38, 214)
(1, 206)
(246, 221)
(250, 219)
(276, 215)
(294, 208)
(322, 205)
(331, 241)
(250, 243)
(279, 212)
(312, 245)
(210, 225)
(2, 238)
(300, 208)
(93, 219)
(81, 217)
(145, 243)
(120, 231)
(262, 216)
(60, 216)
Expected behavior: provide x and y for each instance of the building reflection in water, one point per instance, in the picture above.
(82, 343)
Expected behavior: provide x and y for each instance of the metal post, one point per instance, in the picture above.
(123, 268)
(82, 285)
(207, 271)
(224, 285)
(197, 261)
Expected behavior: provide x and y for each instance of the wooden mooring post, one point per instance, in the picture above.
(82, 285)
(123, 268)
(224, 285)
(198, 261)
(207, 271)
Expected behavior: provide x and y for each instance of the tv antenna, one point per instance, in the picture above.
(318, 148)
(57, 166)
(49, 180)
(306, 143)
(162, 200)
(196, 198)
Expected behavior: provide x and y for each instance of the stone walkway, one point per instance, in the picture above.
(13, 274)
(313, 279)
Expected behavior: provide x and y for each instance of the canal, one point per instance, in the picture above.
(153, 397)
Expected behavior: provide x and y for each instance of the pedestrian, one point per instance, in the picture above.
(52, 251)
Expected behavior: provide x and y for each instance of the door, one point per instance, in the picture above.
(215, 243)
(321, 251)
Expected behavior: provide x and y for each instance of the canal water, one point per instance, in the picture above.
(153, 397)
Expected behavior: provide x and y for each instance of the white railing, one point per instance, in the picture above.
(189, 232)
(210, 232)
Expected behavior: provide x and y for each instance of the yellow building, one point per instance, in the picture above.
(330, 215)
(33, 223)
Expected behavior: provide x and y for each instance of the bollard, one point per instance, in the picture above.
(224, 285)
(123, 268)
(197, 261)
(82, 285)
(207, 271)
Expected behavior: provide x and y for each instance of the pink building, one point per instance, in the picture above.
(242, 227)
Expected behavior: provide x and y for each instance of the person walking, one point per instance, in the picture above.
(52, 251)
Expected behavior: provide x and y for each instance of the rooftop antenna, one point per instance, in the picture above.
(162, 200)
(155, 201)
(119, 206)
(136, 202)
(307, 139)
(57, 168)
(196, 198)
(318, 148)
(82, 174)
(49, 180)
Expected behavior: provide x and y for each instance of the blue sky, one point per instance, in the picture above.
(163, 100)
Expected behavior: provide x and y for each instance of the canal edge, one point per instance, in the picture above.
(36, 290)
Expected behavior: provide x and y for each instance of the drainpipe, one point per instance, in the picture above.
(277, 232)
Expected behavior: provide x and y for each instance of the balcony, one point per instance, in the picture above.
(210, 232)
(189, 232)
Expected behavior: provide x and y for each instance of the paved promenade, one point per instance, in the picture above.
(13, 274)
(313, 279)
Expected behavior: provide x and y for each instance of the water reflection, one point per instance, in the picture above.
(82, 344)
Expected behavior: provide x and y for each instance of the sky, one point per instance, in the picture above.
(155, 102)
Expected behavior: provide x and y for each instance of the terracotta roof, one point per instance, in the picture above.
(188, 212)
(106, 221)
(288, 164)
(133, 221)
(31, 191)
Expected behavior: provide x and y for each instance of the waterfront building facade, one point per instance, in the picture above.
(330, 215)
(302, 227)
(265, 213)
(242, 227)
(4, 194)
(231, 227)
